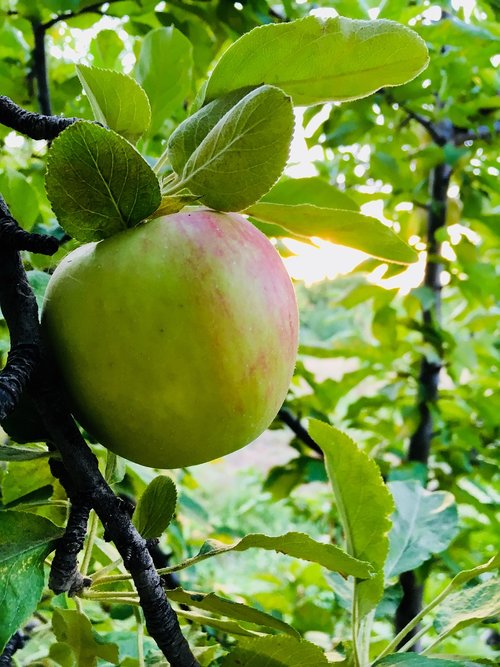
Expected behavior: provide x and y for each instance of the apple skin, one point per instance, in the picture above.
(176, 340)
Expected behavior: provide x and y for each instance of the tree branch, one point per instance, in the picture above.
(33, 125)
(294, 424)
(15, 643)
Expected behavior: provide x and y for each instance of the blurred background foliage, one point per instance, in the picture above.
(363, 334)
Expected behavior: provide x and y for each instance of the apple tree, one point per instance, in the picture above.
(148, 319)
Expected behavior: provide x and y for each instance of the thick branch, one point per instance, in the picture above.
(33, 125)
(40, 69)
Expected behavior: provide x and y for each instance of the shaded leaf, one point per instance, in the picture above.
(319, 60)
(414, 660)
(73, 631)
(244, 153)
(364, 505)
(97, 183)
(173, 204)
(275, 652)
(164, 68)
(156, 507)
(117, 101)
(25, 541)
(236, 610)
(11, 453)
(424, 523)
(348, 228)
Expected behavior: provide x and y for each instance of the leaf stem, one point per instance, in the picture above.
(355, 627)
(140, 637)
(161, 162)
(415, 638)
(392, 646)
(87, 554)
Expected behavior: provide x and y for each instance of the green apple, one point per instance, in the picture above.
(177, 339)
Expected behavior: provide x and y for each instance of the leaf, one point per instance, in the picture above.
(275, 651)
(164, 68)
(117, 101)
(364, 504)
(223, 624)
(315, 60)
(38, 281)
(173, 204)
(240, 612)
(469, 606)
(466, 575)
(244, 153)
(156, 507)
(11, 453)
(24, 477)
(73, 631)
(186, 138)
(313, 190)
(413, 660)
(97, 183)
(424, 523)
(297, 545)
(25, 541)
(348, 228)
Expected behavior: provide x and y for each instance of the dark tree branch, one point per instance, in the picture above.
(481, 133)
(15, 643)
(33, 125)
(64, 574)
(39, 69)
(90, 9)
(15, 237)
(294, 424)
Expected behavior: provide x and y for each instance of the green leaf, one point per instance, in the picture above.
(313, 190)
(315, 60)
(186, 138)
(117, 101)
(97, 183)
(24, 477)
(275, 652)
(74, 633)
(297, 545)
(364, 505)
(106, 48)
(240, 612)
(25, 541)
(244, 153)
(413, 660)
(469, 606)
(424, 523)
(232, 627)
(11, 453)
(38, 281)
(348, 228)
(156, 507)
(173, 204)
(164, 68)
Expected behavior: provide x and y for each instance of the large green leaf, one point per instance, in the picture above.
(164, 68)
(186, 138)
(117, 101)
(13, 453)
(97, 183)
(364, 505)
(315, 60)
(25, 541)
(275, 652)
(313, 190)
(424, 523)
(244, 153)
(469, 606)
(297, 545)
(240, 612)
(76, 640)
(156, 507)
(348, 228)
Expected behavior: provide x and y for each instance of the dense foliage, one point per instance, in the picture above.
(403, 358)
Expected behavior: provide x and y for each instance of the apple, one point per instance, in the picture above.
(176, 340)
